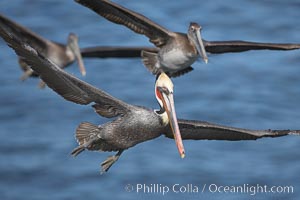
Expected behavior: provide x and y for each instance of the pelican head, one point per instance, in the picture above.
(164, 96)
(194, 36)
(74, 47)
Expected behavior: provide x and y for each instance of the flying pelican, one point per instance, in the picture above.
(177, 51)
(64, 55)
(132, 124)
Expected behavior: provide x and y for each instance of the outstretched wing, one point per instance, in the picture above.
(115, 52)
(66, 85)
(198, 130)
(23, 34)
(240, 46)
(134, 21)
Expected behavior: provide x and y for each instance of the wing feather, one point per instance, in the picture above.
(24, 34)
(134, 21)
(198, 130)
(217, 47)
(115, 52)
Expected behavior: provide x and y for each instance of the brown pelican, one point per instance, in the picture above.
(176, 51)
(64, 55)
(132, 124)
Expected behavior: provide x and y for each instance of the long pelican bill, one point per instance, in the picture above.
(200, 46)
(168, 105)
(73, 44)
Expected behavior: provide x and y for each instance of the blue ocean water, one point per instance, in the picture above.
(255, 90)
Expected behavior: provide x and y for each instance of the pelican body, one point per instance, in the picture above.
(176, 51)
(132, 124)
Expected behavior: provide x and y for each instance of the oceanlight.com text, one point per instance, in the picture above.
(249, 189)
